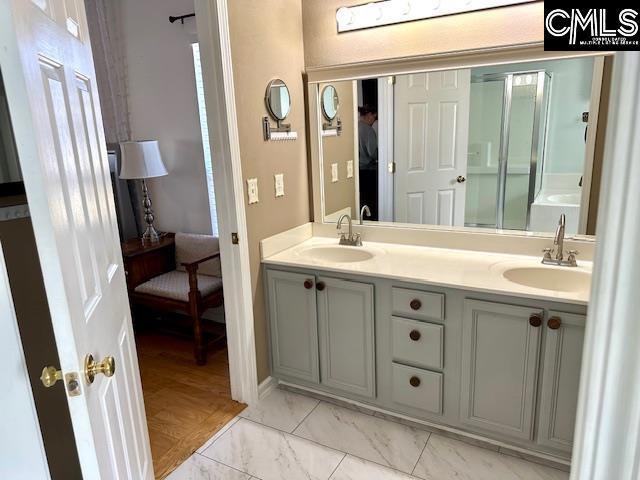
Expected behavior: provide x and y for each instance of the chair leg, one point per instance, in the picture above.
(199, 350)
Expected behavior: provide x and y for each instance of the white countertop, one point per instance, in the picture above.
(463, 269)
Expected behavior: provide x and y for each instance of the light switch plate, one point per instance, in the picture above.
(279, 184)
(334, 172)
(350, 169)
(252, 190)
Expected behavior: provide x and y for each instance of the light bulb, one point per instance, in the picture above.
(344, 16)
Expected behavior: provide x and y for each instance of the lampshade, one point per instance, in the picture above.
(141, 159)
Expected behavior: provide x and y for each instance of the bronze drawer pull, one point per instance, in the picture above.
(308, 284)
(414, 335)
(414, 381)
(415, 304)
(320, 286)
(554, 323)
(535, 320)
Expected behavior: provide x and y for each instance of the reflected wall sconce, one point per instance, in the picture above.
(388, 12)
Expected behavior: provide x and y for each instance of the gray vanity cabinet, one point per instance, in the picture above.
(500, 345)
(560, 379)
(294, 327)
(346, 331)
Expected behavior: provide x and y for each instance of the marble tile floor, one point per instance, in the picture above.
(289, 436)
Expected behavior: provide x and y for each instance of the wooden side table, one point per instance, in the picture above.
(143, 262)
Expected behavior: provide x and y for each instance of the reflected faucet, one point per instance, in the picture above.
(364, 210)
(350, 239)
(558, 242)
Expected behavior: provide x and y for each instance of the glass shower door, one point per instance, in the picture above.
(485, 129)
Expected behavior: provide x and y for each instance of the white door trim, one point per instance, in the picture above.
(217, 71)
(608, 419)
(385, 148)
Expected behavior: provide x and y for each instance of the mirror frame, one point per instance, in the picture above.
(322, 107)
(431, 63)
(267, 98)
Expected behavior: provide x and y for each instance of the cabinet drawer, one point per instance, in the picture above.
(417, 343)
(417, 388)
(417, 304)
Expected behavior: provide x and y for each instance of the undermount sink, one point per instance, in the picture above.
(337, 254)
(550, 278)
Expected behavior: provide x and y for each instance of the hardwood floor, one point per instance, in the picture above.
(185, 403)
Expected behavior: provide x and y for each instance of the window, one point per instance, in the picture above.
(204, 130)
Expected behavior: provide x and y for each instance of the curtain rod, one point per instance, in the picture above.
(181, 17)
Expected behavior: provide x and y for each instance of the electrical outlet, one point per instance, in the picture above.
(279, 184)
(350, 169)
(252, 190)
(334, 172)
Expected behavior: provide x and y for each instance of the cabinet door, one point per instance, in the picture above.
(345, 317)
(560, 380)
(294, 325)
(500, 347)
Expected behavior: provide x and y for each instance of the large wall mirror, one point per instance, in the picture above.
(503, 147)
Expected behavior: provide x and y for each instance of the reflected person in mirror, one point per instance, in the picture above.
(368, 157)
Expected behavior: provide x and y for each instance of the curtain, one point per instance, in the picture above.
(104, 20)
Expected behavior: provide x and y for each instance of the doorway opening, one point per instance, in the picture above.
(175, 286)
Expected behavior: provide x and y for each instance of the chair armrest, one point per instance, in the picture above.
(192, 270)
(195, 264)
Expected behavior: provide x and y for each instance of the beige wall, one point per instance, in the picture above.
(266, 43)
(514, 25)
(340, 150)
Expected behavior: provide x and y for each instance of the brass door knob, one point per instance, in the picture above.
(92, 368)
(50, 375)
(461, 179)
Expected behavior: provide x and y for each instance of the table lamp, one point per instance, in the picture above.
(141, 160)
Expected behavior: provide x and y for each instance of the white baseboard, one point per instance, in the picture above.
(266, 386)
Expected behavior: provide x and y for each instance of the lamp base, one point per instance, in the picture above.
(150, 235)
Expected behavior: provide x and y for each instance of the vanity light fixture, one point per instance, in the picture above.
(388, 12)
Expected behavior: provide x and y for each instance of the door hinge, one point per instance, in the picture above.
(391, 167)
(234, 238)
(391, 80)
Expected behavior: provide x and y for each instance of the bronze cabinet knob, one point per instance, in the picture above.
(308, 284)
(554, 323)
(414, 335)
(414, 381)
(535, 320)
(320, 286)
(460, 179)
(415, 304)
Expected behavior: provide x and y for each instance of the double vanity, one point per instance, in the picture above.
(483, 344)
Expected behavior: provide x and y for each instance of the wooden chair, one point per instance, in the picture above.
(191, 283)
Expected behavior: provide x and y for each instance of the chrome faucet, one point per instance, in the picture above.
(351, 239)
(364, 210)
(558, 242)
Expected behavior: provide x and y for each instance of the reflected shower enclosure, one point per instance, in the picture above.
(507, 125)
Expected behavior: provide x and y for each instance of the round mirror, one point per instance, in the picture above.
(330, 102)
(277, 99)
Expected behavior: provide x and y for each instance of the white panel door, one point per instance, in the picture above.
(51, 89)
(431, 115)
